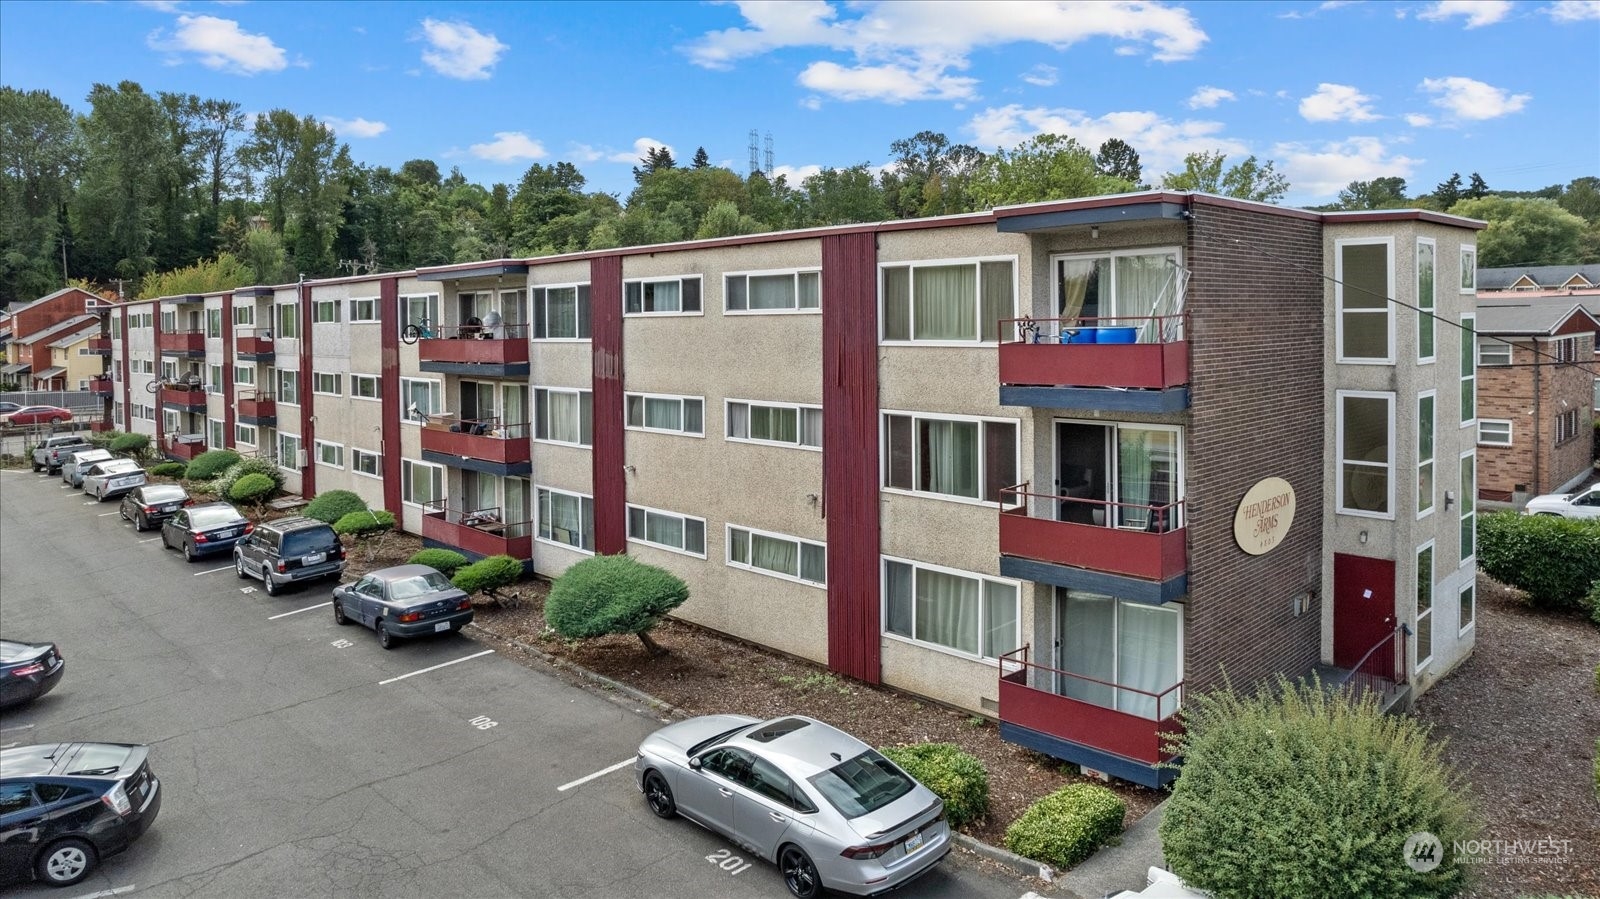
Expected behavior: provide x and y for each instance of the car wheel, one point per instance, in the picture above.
(36, 467)
(385, 639)
(338, 613)
(659, 795)
(238, 568)
(66, 863)
(188, 552)
(799, 874)
(58, 420)
(270, 584)
(140, 522)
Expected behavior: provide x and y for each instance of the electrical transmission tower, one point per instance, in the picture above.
(755, 151)
(768, 169)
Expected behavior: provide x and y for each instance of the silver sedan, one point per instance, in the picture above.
(832, 812)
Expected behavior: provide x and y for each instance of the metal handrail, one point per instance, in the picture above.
(1022, 664)
(493, 428)
(1163, 517)
(1169, 328)
(1365, 668)
(252, 393)
(472, 517)
(478, 332)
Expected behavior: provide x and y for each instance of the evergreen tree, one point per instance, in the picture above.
(701, 160)
(1476, 188)
(1119, 160)
(39, 156)
(1448, 194)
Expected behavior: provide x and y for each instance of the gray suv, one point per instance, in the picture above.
(287, 551)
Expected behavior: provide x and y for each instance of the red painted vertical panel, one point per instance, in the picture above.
(609, 455)
(389, 389)
(1363, 608)
(227, 370)
(308, 425)
(127, 375)
(850, 452)
(155, 398)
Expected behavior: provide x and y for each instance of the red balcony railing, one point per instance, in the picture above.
(101, 345)
(1132, 539)
(1033, 696)
(183, 397)
(101, 387)
(184, 342)
(256, 404)
(487, 439)
(183, 448)
(504, 345)
(1128, 351)
(481, 531)
(255, 343)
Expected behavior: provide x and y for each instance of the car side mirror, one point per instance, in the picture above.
(695, 763)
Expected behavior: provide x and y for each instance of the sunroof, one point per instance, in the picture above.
(772, 730)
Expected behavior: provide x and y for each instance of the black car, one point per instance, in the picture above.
(287, 551)
(205, 529)
(150, 504)
(28, 671)
(403, 601)
(66, 806)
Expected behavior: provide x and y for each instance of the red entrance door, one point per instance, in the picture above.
(1363, 611)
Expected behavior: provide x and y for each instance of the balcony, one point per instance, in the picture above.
(189, 398)
(184, 447)
(485, 445)
(1125, 364)
(102, 386)
(500, 352)
(1137, 552)
(100, 345)
(254, 345)
(257, 407)
(1125, 742)
(478, 533)
(183, 343)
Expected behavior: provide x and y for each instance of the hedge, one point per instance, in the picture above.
(613, 595)
(1554, 560)
(223, 485)
(1067, 826)
(443, 560)
(333, 505)
(488, 575)
(211, 463)
(131, 444)
(952, 773)
(367, 521)
(169, 470)
(252, 488)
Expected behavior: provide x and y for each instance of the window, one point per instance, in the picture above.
(959, 302)
(1469, 506)
(754, 292)
(169, 321)
(213, 379)
(366, 462)
(1427, 330)
(169, 370)
(288, 387)
(780, 424)
(563, 416)
(169, 421)
(422, 398)
(1492, 432)
(216, 434)
(323, 311)
(1363, 286)
(422, 311)
(116, 411)
(288, 320)
(561, 313)
(666, 414)
(1566, 426)
(1469, 268)
(1424, 626)
(566, 518)
(969, 458)
(1493, 352)
(951, 609)
(664, 296)
(1564, 349)
(1120, 655)
(245, 434)
(778, 554)
(364, 387)
(1366, 453)
(327, 382)
(330, 454)
(1100, 289)
(1467, 606)
(245, 375)
(289, 447)
(1469, 370)
(363, 309)
(1426, 424)
(116, 328)
(421, 483)
(214, 323)
(667, 530)
(244, 315)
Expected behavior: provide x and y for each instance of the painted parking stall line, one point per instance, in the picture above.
(588, 777)
(150, 540)
(106, 514)
(437, 667)
(323, 605)
(116, 891)
(213, 571)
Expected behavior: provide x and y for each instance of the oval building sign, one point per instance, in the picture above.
(1264, 516)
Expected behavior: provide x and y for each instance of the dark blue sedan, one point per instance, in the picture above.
(205, 529)
(28, 671)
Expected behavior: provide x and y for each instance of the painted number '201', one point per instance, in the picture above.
(729, 862)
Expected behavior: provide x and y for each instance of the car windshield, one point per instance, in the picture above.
(862, 785)
(420, 585)
(118, 466)
(305, 543)
(103, 758)
(210, 518)
(164, 493)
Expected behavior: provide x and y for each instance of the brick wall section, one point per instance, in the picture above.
(1256, 302)
(1507, 393)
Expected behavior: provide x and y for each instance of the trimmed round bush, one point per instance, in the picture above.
(211, 463)
(367, 521)
(333, 505)
(952, 773)
(1554, 560)
(1067, 826)
(253, 465)
(131, 444)
(488, 575)
(613, 595)
(169, 470)
(252, 488)
(445, 561)
(1298, 791)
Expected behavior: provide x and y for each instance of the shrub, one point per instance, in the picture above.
(1296, 791)
(131, 445)
(487, 576)
(445, 560)
(613, 595)
(949, 771)
(211, 463)
(1593, 601)
(335, 504)
(252, 488)
(367, 521)
(101, 439)
(253, 465)
(169, 470)
(1067, 826)
(1554, 560)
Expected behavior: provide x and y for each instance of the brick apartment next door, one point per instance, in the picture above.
(1363, 611)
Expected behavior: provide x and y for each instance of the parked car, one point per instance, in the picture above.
(1583, 504)
(52, 451)
(28, 671)
(204, 529)
(832, 812)
(78, 461)
(112, 477)
(6, 408)
(403, 601)
(1162, 884)
(148, 505)
(288, 551)
(66, 806)
(36, 415)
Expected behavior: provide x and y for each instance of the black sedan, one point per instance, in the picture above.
(65, 806)
(150, 504)
(403, 601)
(205, 529)
(28, 671)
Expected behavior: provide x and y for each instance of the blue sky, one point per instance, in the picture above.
(1330, 91)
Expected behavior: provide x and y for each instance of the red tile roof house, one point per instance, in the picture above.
(30, 322)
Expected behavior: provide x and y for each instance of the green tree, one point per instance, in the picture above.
(842, 197)
(701, 160)
(1210, 173)
(545, 194)
(1045, 167)
(1379, 193)
(930, 175)
(1448, 193)
(1524, 232)
(120, 204)
(222, 273)
(1119, 160)
(1582, 198)
(1477, 188)
(655, 159)
(613, 595)
(39, 156)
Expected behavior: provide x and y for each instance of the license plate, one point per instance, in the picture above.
(441, 626)
(224, 535)
(913, 842)
(144, 788)
(313, 559)
(170, 507)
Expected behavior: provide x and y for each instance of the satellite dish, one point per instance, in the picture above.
(491, 319)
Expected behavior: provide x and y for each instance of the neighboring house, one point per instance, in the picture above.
(74, 361)
(35, 324)
(34, 352)
(1561, 285)
(1056, 464)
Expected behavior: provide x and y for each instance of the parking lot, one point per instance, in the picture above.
(300, 759)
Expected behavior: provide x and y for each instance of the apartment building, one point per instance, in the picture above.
(1055, 464)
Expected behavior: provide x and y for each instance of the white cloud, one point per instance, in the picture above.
(222, 45)
(812, 103)
(1046, 76)
(160, 5)
(641, 147)
(1466, 98)
(1160, 142)
(585, 153)
(457, 50)
(1208, 97)
(357, 127)
(509, 146)
(1478, 13)
(1574, 10)
(1324, 170)
(1418, 120)
(889, 83)
(1337, 103)
(794, 173)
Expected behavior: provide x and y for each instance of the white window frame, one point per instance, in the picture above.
(1489, 355)
(627, 413)
(983, 467)
(289, 461)
(800, 543)
(214, 323)
(883, 610)
(540, 296)
(170, 423)
(800, 410)
(1418, 616)
(377, 387)
(1427, 306)
(541, 409)
(279, 319)
(1564, 349)
(213, 378)
(244, 314)
(1567, 426)
(408, 468)
(977, 298)
(216, 434)
(794, 275)
(1469, 606)
(169, 321)
(435, 395)
(245, 434)
(1469, 342)
(680, 280)
(538, 509)
(1339, 459)
(317, 383)
(430, 304)
(244, 374)
(357, 454)
(338, 453)
(287, 376)
(1469, 268)
(1484, 439)
(683, 521)
(1468, 500)
(363, 310)
(1339, 308)
(1428, 456)
(326, 312)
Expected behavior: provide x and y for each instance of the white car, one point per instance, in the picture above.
(1583, 504)
(112, 477)
(1162, 884)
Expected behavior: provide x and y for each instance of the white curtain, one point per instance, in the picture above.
(514, 418)
(516, 511)
(781, 556)
(666, 530)
(810, 290)
(1133, 478)
(1147, 659)
(772, 292)
(662, 296)
(898, 578)
(664, 414)
(563, 416)
(997, 298)
(950, 457)
(947, 610)
(1075, 276)
(897, 303)
(1088, 647)
(739, 420)
(811, 427)
(945, 298)
(999, 619)
(1141, 282)
(562, 312)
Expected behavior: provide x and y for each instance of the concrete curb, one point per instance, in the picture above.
(1027, 867)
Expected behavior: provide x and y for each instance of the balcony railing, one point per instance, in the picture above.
(183, 343)
(100, 345)
(255, 343)
(484, 532)
(1034, 696)
(1146, 541)
(475, 344)
(101, 387)
(1149, 352)
(488, 439)
(258, 405)
(184, 447)
(183, 396)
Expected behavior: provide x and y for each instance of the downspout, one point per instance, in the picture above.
(1538, 417)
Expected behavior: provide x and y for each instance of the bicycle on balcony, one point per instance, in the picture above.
(418, 330)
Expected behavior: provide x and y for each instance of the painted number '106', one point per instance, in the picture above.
(729, 862)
